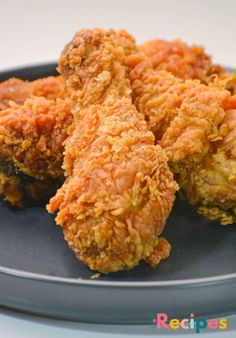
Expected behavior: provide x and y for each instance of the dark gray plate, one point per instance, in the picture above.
(39, 274)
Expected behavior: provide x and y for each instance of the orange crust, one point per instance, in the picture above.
(180, 59)
(18, 91)
(31, 140)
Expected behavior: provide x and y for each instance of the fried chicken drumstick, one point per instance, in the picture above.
(119, 190)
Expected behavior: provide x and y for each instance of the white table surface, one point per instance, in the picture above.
(33, 32)
(19, 325)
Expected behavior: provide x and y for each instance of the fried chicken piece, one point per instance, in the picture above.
(18, 187)
(18, 91)
(200, 139)
(119, 189)
(204, 163)
(182, 60)
(31, 149)
(211, 184)
(195, 126)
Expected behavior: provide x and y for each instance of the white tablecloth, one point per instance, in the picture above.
(19, 325)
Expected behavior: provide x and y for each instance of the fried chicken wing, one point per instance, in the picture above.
(119, 189)
(208, 181)
(194, 123)
(31, 149)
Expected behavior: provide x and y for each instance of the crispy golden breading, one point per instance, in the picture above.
(176, 57)
(211, 183)
(119, 190)
(18, 91)
(208, 180)
(31, 147)
(17, 187)
(186, 62)
(190, 121)
(171, 105)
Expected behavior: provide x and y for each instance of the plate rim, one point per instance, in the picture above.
(191, 282)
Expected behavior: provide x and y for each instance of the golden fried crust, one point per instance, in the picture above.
(190, 122)
(161, 251)
(116, 201)
(19, 134)
(186, 62)
(51, 87)
(32, 136)
(88, 68)
(18, 91)
(15, 90)
(184, 115)
(119, 190)
(211, 184)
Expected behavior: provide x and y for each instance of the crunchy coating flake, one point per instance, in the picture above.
(119, 190)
